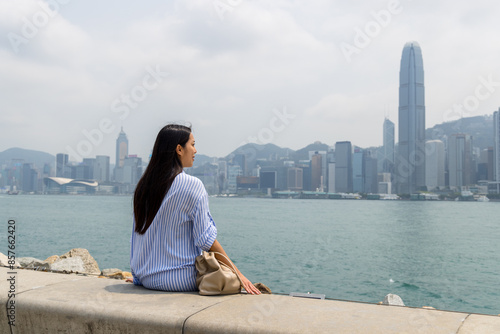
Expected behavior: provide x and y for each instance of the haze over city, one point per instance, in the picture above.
(282, 72)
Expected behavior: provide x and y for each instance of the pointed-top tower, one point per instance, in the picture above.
(121, 148)
(410, 164)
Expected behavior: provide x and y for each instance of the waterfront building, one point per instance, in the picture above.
(410, 164)
(29, 178)
(358, 167)
(132, 170)
(384, 183)
(434, 164)
(222, 175)
(61, 163)
(343, 167)
(496, 147)
(460, 161)
(61, 185)
(306, 173)
(101, 170)
(121, 148)
(240, 160)
(485, 165)
(370, 180)
(331, 177)
(208, 173)
(233, 171)
(489, 163)
(386, 152)
(90, 162)
(323, 180)
(316, 175)
(80, 172)
(121, 154)
(268, 179)
(295, 178)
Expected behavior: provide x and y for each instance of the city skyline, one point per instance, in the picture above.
(383, 130)
(344, 169)
(259, 72)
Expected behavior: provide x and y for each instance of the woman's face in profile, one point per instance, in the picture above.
(186, 154)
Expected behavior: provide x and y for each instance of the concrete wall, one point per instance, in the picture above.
(58, 303)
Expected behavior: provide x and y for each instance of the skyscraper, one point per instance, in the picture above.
(410, 164)
(434, 164)
(121, 148)
(61, 163)
(343, 167)
(358, 168)
(316, 162)
(101, 172)
(121, 154)
(496, 147)
(370, 172)
(460, 161)
(386, 158)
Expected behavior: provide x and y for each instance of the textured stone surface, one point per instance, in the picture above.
(72, 264)
(90, 264)
(4, 261)
(25, 261)
(54, 303)
(121, 275)
(110, 271)
(38, 265)
(392, 299)
(52, 259)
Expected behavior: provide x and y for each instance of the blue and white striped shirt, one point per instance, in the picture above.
(163, 257)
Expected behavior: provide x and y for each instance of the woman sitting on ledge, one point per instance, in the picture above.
(172, 221)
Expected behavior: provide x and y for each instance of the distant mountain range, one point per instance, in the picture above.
(480, 127)
(38, 158)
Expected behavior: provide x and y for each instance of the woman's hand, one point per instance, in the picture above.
(248, 286)
(129, 280)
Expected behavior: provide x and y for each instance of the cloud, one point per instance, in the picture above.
(226, 75)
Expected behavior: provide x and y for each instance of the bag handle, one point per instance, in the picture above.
(230, 267)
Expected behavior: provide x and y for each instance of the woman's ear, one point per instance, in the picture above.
(178, 149)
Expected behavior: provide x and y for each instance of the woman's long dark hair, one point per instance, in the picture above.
(162, 169)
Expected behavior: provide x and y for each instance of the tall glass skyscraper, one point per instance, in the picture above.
(410, 164)
(460, 164)
(121, 154)
(343, 167)
(61, 163)
(387, 156)
(121, 148)
(496, 147)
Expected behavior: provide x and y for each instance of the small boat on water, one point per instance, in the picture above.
(13, 191)
(483, 198)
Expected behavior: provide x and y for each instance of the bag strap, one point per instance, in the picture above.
(230, 267)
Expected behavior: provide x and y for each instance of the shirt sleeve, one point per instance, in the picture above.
(204, 229)
(136, 280)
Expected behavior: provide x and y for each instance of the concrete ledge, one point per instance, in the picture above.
(50, 303)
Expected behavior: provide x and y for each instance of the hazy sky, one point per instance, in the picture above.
(286, 72)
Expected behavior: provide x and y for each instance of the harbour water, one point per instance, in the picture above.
(440, 254)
